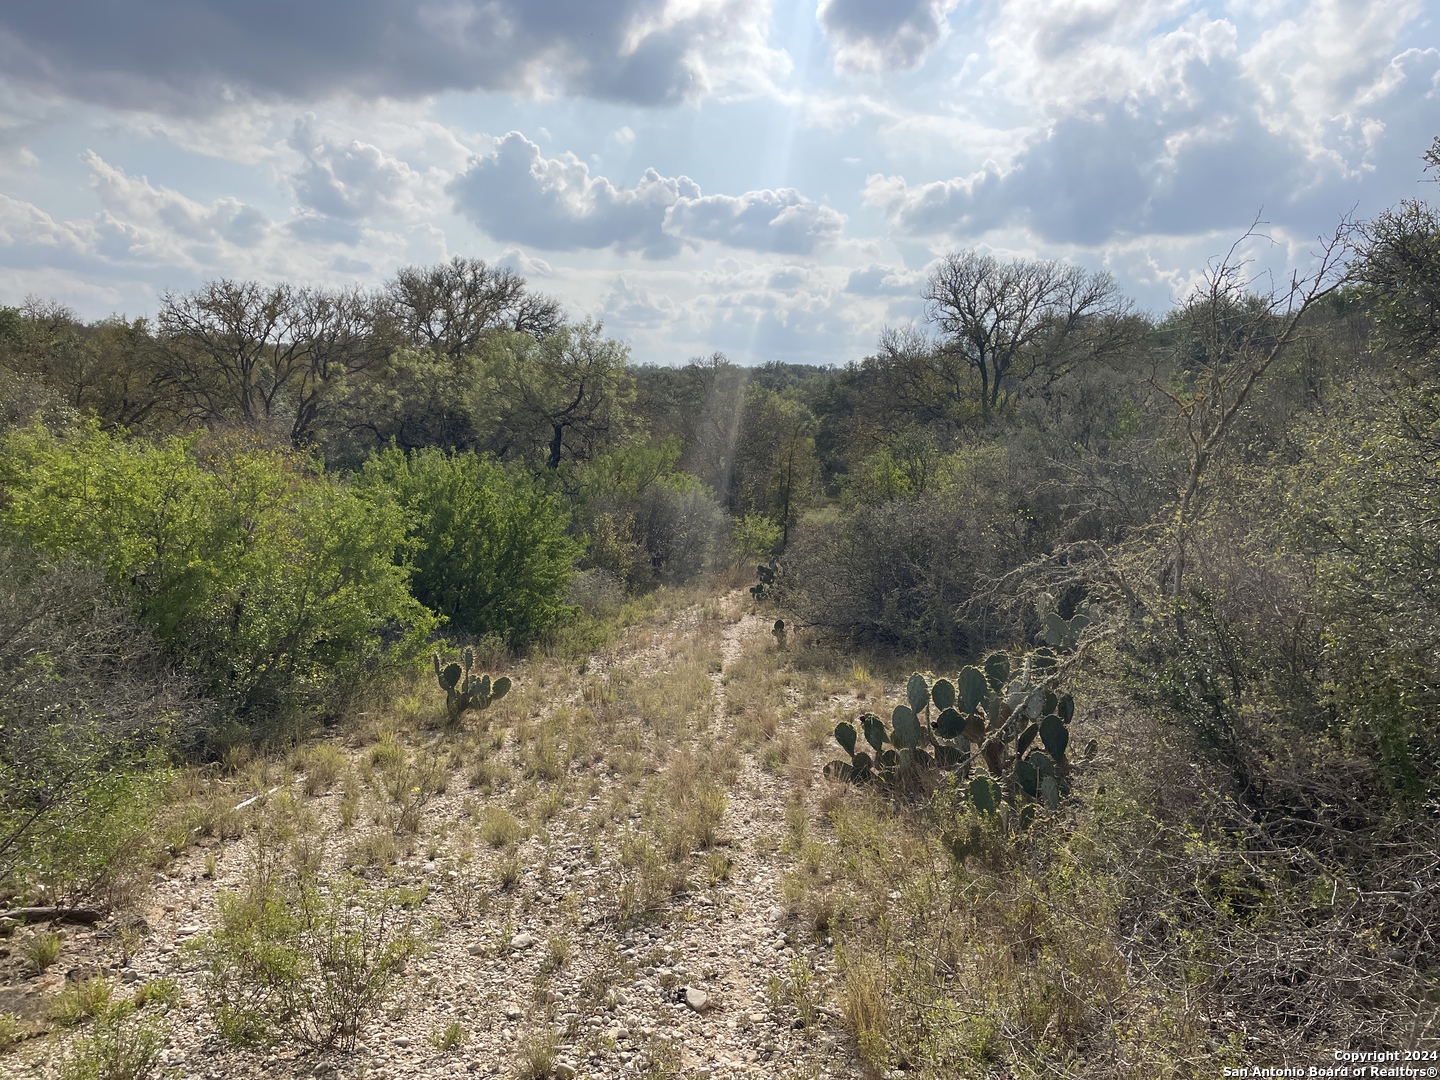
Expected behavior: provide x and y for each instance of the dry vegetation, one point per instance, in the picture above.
(536, 893)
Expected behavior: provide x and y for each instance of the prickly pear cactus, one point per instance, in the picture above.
(465, 689)
(1063, 634)
(1004, 726)
(766, 575)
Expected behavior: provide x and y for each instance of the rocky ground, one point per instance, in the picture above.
(626, 915)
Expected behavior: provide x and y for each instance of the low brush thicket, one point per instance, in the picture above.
(290, 960)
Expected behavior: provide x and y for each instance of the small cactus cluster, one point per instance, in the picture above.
(766, 573)
(1002, 727)
(466, 690)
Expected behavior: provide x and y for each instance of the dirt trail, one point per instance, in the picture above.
(712, 982)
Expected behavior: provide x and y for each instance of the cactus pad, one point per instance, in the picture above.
(973, 687)
(985, 794)
(1055, 735)
(904, 728)
(917, 692)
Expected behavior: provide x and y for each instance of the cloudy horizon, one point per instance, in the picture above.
(766, 178)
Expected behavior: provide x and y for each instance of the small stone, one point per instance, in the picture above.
(565, 1071)
(522, 941)
(402, 1041)
(129, 975)
(697, 999)
(476, 950)
(777, 914)
(513, 1013)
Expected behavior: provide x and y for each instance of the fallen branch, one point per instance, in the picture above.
(59, 914)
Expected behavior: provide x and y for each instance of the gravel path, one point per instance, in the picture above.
(717, 981)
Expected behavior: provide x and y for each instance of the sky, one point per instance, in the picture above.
(771, 179)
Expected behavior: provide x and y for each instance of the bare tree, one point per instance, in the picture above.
(1007, 320)
(240, 350)
(1398, 271)
(451, 307)
(339, 331)
(1234, 333)
(232, 347)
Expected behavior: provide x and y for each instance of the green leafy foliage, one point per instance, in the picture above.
(489, 550)
(277, 586)
(755, 537)
(120, 1044)
(289, 960)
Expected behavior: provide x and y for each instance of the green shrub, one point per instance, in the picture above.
(288, 961)
(119, 1045)
(85, 1000)
(86, 709)
(42, 949)
(904, 574)
(755, 537)
(490, 551)
(683, 529)
(279, 587)
(10, 1032)
(163, 991)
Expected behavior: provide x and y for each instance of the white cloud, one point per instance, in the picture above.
(880, 280)
(783, 221)
(631, 306)
(342, 185)
(1158, 119)
(882, 35)
(1323, 65)
(524, 264)
(162, 225)
(517, 194)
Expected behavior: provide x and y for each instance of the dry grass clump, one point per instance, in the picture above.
(694, 807)
(499, 828)
(756, 686)
(676, 700)
(376, 849)
(1139, 932)
(322, 765)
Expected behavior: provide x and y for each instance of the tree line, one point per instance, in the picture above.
(500, 469)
